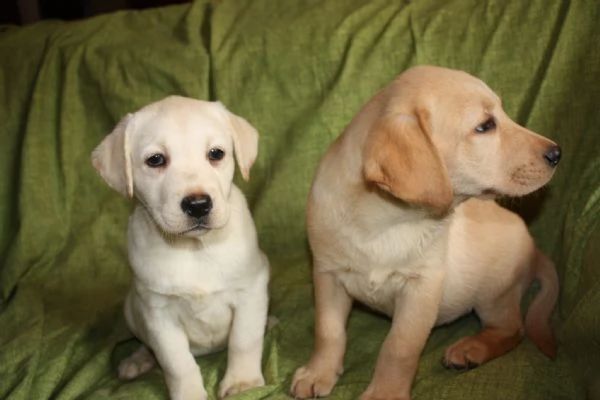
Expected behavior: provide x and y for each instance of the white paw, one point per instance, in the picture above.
(190, 388)
(138, 363)
(231, 385)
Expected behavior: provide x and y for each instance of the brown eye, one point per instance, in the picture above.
(156, 161)
(215, 154)
(488, 125)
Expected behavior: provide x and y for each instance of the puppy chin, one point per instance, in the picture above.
(512, 190)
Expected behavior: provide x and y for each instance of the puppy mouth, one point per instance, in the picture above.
(197, 228)
(490, 192)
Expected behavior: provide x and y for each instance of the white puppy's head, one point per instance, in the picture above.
(176, 157)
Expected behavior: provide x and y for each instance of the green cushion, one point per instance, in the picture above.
(298, 71)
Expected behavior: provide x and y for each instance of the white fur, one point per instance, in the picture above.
(196, 289)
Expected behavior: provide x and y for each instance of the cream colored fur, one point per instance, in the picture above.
(401, 217)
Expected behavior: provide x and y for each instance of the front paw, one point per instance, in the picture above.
(310, 383)
(373, 394)
(191, 388)
(231, 385)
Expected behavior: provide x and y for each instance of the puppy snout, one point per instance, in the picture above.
(197, 206)
(552, 155)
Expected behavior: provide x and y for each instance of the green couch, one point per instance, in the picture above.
(298, 70)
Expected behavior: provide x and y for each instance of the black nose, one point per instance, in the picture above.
(196, 206)
(552, 156)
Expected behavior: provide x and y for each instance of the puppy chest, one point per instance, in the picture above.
(377, 289)
(207, 322)
(193, 275)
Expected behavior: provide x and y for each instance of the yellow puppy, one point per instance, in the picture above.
(401, 218)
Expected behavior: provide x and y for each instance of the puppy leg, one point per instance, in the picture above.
(414, 316)
(136, 364)
(172, 350)
(502, 331)
(246, 342)
(332, 306)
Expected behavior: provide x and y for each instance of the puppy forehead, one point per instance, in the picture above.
(436, 88)
(187, 123)
(440, 77)
(468, 89)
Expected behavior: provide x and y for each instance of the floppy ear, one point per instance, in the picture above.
(245, 142)
(112, 160)
(401, 159)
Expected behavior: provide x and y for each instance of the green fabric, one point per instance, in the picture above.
(298, 71)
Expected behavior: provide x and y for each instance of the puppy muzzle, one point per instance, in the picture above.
(198, 208)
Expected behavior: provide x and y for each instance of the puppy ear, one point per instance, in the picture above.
(245, 142)
(112, 160)
(401, 159)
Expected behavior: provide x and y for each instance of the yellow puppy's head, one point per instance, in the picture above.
(442, 135)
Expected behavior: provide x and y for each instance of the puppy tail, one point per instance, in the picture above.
(537, 319)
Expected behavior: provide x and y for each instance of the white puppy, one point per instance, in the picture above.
(200, 279)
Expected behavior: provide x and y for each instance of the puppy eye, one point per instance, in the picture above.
(156, 161)
(215, 154)
(487, 126)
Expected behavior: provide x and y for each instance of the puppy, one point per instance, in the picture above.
(199, 277)
(400, 218)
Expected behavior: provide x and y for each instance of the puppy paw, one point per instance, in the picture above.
(187, 387)
(310, 383)
(387, 390)
(135, 365)
(232, 385)
(465, 354)
(193, 394)
(373, 396)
